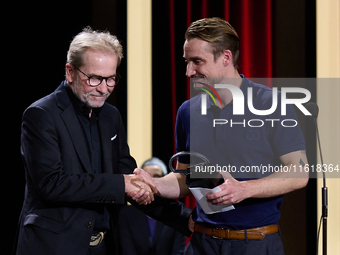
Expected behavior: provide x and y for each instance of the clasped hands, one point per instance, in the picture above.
(140, 187)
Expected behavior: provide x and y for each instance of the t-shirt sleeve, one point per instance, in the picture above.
(182, 133)
(286, 136)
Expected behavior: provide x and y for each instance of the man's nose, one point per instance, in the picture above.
(190, 70)
(102, 87)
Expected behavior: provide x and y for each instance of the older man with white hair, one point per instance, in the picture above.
(77, 162)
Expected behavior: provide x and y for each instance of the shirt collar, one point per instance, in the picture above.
(244, 86)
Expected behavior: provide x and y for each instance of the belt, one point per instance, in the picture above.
(97, 239)
(251, 234)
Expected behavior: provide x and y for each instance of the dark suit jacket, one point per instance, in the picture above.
(135, 238)
(62, 194)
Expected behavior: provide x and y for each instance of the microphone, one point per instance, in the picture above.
(314, 110)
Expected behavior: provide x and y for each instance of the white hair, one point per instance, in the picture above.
(90, 39)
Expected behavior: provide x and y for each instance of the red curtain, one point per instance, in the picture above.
(254, 26)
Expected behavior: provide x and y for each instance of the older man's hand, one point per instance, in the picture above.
(139, 188)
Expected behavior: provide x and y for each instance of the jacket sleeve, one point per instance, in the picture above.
(43, 161)
(170, 212)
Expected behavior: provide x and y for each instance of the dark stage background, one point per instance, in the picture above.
(277, 40)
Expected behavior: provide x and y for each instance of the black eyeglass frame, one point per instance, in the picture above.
(101, 78)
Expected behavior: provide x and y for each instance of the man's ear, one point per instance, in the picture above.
(227, 58)
(70, 73)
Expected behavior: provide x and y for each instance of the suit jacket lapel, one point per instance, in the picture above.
(73, 126)
(77, 136)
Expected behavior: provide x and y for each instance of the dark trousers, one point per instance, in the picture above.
(201, 244)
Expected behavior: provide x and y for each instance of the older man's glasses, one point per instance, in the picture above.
(95, 81)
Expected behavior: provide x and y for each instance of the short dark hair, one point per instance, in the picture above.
(219, 33)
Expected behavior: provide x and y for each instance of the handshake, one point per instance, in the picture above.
(140, 187)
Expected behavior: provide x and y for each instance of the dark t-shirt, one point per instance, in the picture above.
(247, 145)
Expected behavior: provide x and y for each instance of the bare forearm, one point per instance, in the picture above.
(233, 191)
(281, 182)
(171, 186)
(272, 186)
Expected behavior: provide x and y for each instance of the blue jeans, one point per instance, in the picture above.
(201, 244)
